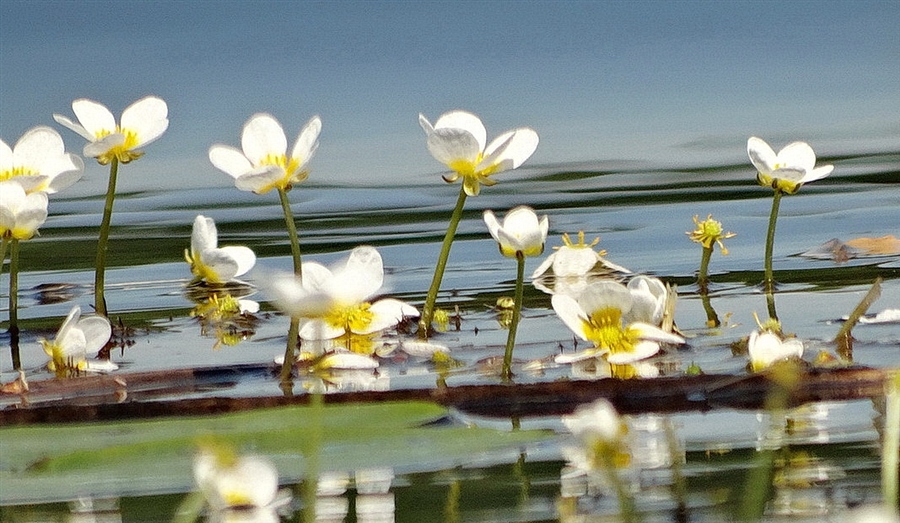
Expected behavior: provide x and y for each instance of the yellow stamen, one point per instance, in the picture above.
(605, 329)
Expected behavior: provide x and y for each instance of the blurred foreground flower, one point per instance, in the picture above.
(39, 163)
(212, 263)
(232, 482)
(521, 234)
(142, 123)
(598, 315)
(766, 348)
(75, 339)
(458, 140)
(335, 302)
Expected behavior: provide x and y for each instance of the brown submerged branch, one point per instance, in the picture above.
(143, 395)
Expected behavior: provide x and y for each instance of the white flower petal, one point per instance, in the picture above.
(101, 366)
(244, 257)
(320, 330)
(230, 160)
(642, 350)
(219, 263)
(464, 121)
(574, 261)
(347, 360)
(63, 171)
(307, 141)
(512, 149)
(798, 155)
(295, 298)
(761, 155)
(359, 278)
(578, 356)
(96, 331)
(260, 180)
(605, 294)
(263, 136)
(147, 118)
(546, 264)
(571, 313)
(94, 117)
(67, 122)
(204, 236)
(651, 332)
(6, 157)
(103, 145)
(37, 146)
(387, 313)
(818, 173)
(69, 323)
(422, 349)
(452, 146)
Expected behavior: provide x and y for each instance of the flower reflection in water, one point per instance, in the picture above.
(90, 510)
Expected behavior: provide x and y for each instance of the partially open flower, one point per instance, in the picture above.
(788, 170)
(263, 164)
(142, 123)
(212, 263)
(520, 232)
(598, 315)
(766, 347)
(39, 162)
(648, 300)
(709, 231)
(457, 139)
(75, 339)
(20, 214)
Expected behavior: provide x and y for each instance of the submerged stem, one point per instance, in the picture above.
(428, 308)
(13, 286)
(769, 282)
(516, 315)
(103, 240)
(292, 231)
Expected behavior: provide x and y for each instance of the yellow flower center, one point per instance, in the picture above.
(709, 231)
(605, 329)
(236, 498)
(290, 166)
(17, 171)
(354, 318)
(122, 152)
(580, 245)
(200, 270)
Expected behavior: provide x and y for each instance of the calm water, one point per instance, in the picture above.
(640, 212)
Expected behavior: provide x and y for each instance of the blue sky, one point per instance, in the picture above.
(664, 81)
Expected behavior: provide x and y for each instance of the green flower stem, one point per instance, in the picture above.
(769, 282)
(516, 314)
(287, 368)
(890, 477)
(292, 231)
(103, 240)
(702, 278)
(428, 308)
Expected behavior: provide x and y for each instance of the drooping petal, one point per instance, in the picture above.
(67, 122)
(261, 179)
(817, 174)
(204, 236)
(465, 121)
(230, 160)
(147, 118)
(244, 257)
(651, 332)
(571, 313)
(94, 117)
(96, 331)
(307, 141)
(493, 224)
(69, 323)
(263, 136)
(642, 350)
(574, 261)
(510, 150)
(575, 357)
(761, 155)
(387, 313)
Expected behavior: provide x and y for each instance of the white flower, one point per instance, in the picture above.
(576, 259)
(39, 162)
(457, 139)
(337, 300)
(142, 123)
(792, 167)
(766, 348)
(20, 214)
(212, 263)
(230, 481)
(263, 164)
(75, 339)
(599, 420)
(521, 231)
(597, 315)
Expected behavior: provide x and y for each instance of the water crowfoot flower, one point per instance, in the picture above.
(75, 339)
(39, 162)
(520, 235)
(20, 216)
(263, 164)
(213, 264)
(142, 123)
(785, 173)
(707, 233)
(766, 348)
(232, 482)
(457, 139)
(598, 315)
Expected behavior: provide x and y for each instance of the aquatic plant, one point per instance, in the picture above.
(766, 347)
(784, 173)
(708, 233)
(520, 235)
(142, 122)
(457, 139)
(229, 482)
(76, 338)
(211, 263)
(39, 163)
(263, 164)
(598, 315)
